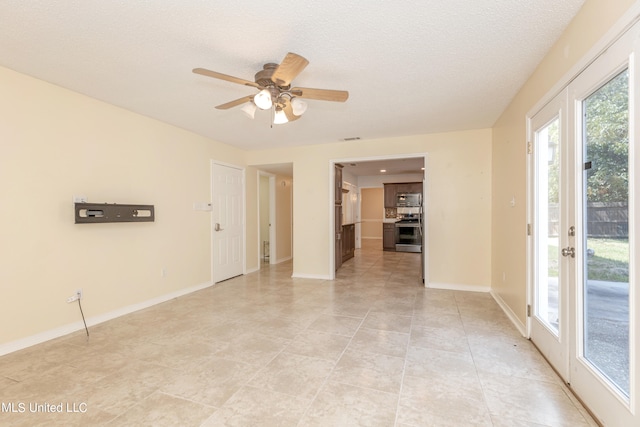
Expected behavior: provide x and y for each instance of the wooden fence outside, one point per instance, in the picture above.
(607, 220)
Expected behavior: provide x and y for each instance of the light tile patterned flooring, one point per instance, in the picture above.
(372, 348)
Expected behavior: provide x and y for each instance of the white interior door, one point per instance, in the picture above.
(549, 230)
(228, 228)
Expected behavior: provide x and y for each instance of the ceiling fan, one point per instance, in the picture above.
(275, 91)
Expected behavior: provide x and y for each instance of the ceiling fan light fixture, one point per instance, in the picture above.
(298, 106)
(263, 99)
(250, 110)
(280, 117)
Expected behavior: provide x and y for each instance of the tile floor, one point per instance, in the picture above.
(372, 348)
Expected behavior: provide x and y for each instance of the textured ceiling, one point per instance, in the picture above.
(410, 67)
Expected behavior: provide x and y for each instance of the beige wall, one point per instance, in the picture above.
(509, 149)
(459, 196)
(55, 144)
(372, 212)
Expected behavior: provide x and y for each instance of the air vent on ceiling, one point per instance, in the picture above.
(353, 138)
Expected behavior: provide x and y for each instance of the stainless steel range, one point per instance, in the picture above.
(409, 229)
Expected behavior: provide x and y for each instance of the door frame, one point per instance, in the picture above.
(560, 108)
(331, 205)
(243, 253)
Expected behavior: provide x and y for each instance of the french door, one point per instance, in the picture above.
(584, 201)
(549, 149)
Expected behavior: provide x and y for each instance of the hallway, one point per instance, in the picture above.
(371, 348)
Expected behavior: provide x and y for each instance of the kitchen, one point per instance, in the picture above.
(384, 204)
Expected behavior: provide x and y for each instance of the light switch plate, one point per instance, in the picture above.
(202, 206)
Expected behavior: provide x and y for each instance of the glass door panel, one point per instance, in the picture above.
(547, 225)
(605, 286)
(549, 172)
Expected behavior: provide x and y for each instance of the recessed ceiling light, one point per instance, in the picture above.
(383, 170)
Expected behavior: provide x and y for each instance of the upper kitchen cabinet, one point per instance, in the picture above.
(338, 184)
(409, 187)
(390, 191)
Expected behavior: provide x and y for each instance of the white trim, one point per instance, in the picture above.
(311, 276)
(521, 327)
(458, 287)
(22, 343)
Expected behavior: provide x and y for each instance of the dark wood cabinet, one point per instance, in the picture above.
(338, 215)
(348, 241)
(338, 236)
(390, 191)
(409, 187)
(389, 236)
(338, 184)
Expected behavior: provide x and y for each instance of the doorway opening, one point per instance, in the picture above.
(266, 218)
(364, 206)
(274, 242)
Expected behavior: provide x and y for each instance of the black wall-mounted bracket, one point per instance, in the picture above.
(90, 213)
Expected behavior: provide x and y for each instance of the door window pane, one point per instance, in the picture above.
(606, 251)
(548, 225)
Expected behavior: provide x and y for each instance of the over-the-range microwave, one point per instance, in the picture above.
(408, 200)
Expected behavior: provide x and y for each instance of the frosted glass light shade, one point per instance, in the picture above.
(280, 117)
(263, 99)
(249, 110)
(298, 106)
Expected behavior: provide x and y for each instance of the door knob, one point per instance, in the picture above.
(569, 251)
(217, 227)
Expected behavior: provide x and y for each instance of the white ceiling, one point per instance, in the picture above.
(410, 67)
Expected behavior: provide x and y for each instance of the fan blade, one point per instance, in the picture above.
(235, 103)
(221, 76)
(289, 68)
(288, 111)
(321, 94)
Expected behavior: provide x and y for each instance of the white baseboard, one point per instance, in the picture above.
(22, 343)
(253, 270)
(310, 276)
(457, 287)
(510, 314)
(503, 305)
(281, 260)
